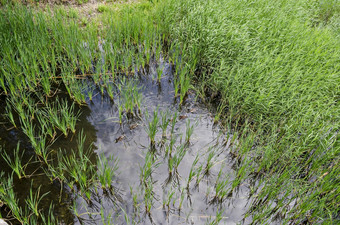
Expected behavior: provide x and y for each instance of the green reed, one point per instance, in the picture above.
(184, 80)
(171, 146)
(217, 219)
(181, 198)
(164, 122)
(188, 132)
(130, 97)
(148, 168)
(210, 161)
(168, 199)
(178, 156)
(173, 123)
(33, 201)
(135, 201)
(221, 187)
(159, 71)
(120, 114)
(8, 196)
(9, 114)
(152, 127)
(106, 171)
(192, 172)
(16, 164)
(50, 218)
(148, 196)
(30, 212)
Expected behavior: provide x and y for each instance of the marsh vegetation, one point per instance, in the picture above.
(173, 111)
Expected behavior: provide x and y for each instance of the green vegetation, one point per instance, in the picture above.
(276, 79)
(270, 68)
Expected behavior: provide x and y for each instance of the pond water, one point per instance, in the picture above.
(172, 201)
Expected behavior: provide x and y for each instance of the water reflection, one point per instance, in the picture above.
(133, 148)
(129, 142)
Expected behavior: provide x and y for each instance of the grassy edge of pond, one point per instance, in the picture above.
(272, 70)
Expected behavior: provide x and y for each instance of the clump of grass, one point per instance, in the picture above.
(159, 71)
(168, 199)
(184, 84)
(178, 156)
(120, 114)
(110, 90)
(135, 201)
(149, 166)
(221, 188)
(188, 132)
(62, 116)
(148, 196)
(171, 146)
(152, 127)
(164, 122)
(173, 124)
(9, 114)
(79, 167)
(30, 212)
(130, 97)
(77, 171)
(8, 196)
(210, 161)
(174, 162)
(192, 173)
(106, 171)
(33, 201)
(102, 8)
(217, 219)
(15, 162)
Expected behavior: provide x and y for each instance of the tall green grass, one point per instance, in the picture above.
(275, 77)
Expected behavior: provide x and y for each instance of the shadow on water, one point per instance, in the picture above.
(162, 197)
(36, 179)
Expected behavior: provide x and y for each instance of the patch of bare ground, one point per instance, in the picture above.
(85, 8)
